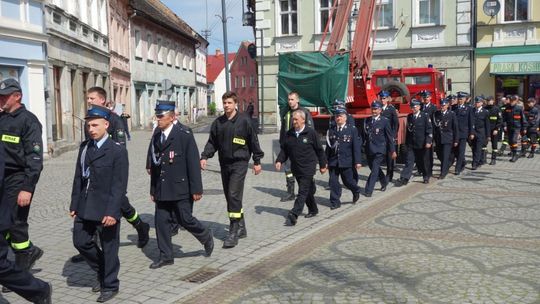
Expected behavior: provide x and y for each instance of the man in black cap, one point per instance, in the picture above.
(465, 119)
(481, 132)
(379, 142)
(418, 140)
(232, 136)
(533, 120)
(495, 123)
(390, 112)
(19, 280)
(99, 185)
(445, 134)
(515, 124)
(20, 132)
(175, 183)
(429, 108)
(344, 153)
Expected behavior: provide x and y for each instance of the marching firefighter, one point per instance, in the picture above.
(533, 118)
(515, 124)
(465, 119)
(504, 135)
(429, 108)
(445, 134)
(232, 136)
(286, 125)
(481, 132)
(20, 133)
(390, 112)
(495, 123)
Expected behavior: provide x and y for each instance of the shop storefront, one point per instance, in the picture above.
(516, 74)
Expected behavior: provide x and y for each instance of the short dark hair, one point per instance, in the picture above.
(99, 90)
(295, 94)
(230, 95)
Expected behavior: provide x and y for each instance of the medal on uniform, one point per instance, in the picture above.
(171, 157)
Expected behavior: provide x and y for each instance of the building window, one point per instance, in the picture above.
(96, 37)
(170, 58)
(85, 31)
(178, 59)
(325, 8)
(516, 10)
(386, 17)
(57, 122)
(429, 12)
(251, 81)
(72, 25)
(11, 9)
(191, 64)
(159, 52)
(184, 61)
(243, 81)
(138, 45)
(57, 18)
(289, 18)
(150, 48)
(236, 82)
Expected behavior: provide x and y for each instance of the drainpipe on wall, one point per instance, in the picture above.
(473, 48)
(47, 97)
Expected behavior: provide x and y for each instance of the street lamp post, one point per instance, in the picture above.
(225, 46)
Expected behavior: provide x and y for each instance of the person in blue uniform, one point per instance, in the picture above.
(16, 279)
(175, 183)
(302, 146)
(418, 139)
(533, 118)
(21, 134)
(515, 124)
(344, 154)
(232, 136)
(378, 143)
(495, 122)
(99, 184)
(445, 135)
(481, 132)
(465, 119)
(429, 108)
(390, 112)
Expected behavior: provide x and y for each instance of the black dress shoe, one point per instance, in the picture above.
(292, 219)
(355, 197)
(367, 195)
(442, 176)
(77, 258)
(458, 172)
(161, 263)
(310, 215)
(426, 180)
(96, 287)
(383, 188)
(474, 167)
(401, 182)
(106, 296)
(334, 207)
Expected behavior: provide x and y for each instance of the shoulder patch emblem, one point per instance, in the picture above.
(36, 148)
(304, 140)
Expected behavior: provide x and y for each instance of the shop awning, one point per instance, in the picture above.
(518, 64)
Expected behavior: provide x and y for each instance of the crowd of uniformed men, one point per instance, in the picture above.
(99, 201)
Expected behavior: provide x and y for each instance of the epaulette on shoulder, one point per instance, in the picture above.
(184, 128)
(117, 143)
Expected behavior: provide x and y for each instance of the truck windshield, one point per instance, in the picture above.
(418, 79)
(384, 80)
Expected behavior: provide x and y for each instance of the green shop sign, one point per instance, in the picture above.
(515, 67)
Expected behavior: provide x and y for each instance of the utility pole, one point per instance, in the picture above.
(206, 32)
(224, 18)
(261, 109)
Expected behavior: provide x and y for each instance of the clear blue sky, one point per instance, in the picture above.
(194, 13)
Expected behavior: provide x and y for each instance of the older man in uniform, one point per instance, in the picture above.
(379, 142)
(176, 183)
(429, 108)
(418, 140)
(344, 153)
(302, 146)
(481, 131)
(20, 132)
(515, 124)
(445, 134)
(390, 112)
(465, 119)
(232, 136)
(99, 184)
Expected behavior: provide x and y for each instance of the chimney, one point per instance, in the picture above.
(218, 52)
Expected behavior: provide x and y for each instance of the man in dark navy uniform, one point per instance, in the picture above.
(344, 153)
(429, 108)
(465, 119)
(418, 140)
(176, 183)
(515, 124)
(379, 142)
(20, 132)
(481, 132)
(99, 184)
(533, 119)
(445, 134)
(19, 280)
(302, 146)
(390, 112)
(495, 123)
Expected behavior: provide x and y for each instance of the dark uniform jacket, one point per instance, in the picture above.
(419, 131)
(378, 136)
(429, 109)
(481, 123)
(100, 194)
(175, 168)
(344, 149)
(304, 152)
(465, 119)
(234, 139)
(5, 214)
(20, 132)
(445, 127)
(116, 129)
(391, 113)
(514, 118)
(495, 117)
(286, 122)
(532, 120)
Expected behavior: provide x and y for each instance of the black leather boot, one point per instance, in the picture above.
(143, 230)
(501, 150)
(242, 231)
(25, 259)
(514, 157)
(207, 240)
(290, 190)
(531, 154)
(232, 239)
(493, 158)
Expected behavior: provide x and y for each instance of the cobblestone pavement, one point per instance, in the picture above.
(468, 239)
(424, 244)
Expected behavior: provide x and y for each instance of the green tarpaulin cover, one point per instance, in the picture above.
(318, 78)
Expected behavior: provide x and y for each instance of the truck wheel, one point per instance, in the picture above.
(397, 88)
